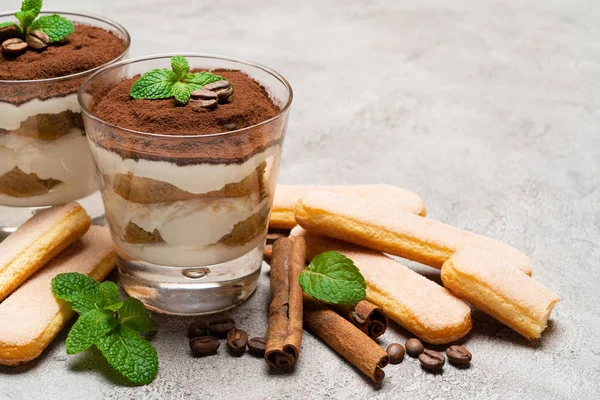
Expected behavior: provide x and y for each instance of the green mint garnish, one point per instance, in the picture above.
(333, 278)
(177, 82)
(55, 26)
(110, 325)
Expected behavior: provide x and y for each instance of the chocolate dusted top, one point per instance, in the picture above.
(250, 105)
(86, 48)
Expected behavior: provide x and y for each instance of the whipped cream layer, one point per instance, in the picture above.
(196, 222)
(194, 178)
(12, 116)
(185, 256)
(66, 159)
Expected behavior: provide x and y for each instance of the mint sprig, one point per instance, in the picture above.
(333, 278)
(177, 82)
(110, 325)
(55, 26)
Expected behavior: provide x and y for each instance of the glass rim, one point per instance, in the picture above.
(108, 68)
(108, 21)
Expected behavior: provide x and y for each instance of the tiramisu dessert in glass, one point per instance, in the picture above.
(187, 149)
(44, 155)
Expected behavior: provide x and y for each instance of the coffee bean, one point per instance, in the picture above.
(208, 104)
(9, 32)
(272, 236)
(197, 329)
(257, 346)
(458, 355)
(38, 40)
(13, 47)
(223, 95)
(204, 345)
(218, 85)
(432, 360)
(414, 347)
(203, 94)
(237, 340)
(396, 353)
(221, 328)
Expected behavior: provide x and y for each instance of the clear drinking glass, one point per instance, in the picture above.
(188, 214)
(44, 156)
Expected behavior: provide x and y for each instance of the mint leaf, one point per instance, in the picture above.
(180, 66)
(202, 78)
(108, 294)
(25, 18)
(333, 278)
(64, 286)
(136, 316)
(182, 92)
(130, 354)
(55, 26)
(156, 84)
(34, 6)
(89, 328)
(114, 307)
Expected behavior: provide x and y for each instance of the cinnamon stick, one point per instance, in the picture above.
(268, 252)
(285, 312)
(366, 316)
(345, 338)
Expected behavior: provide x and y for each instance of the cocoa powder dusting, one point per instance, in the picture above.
(249, 106)
(86, 48)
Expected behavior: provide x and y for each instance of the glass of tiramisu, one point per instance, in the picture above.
(187, 148)
(44, 155)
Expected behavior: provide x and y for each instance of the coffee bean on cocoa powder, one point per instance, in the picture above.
(237, 339)
(9, 32)
(203, 94)
(414, 347)
(38, 40)
(257, 346)
(396, 353)
(208, 104)
(458, 355)
(204, 345)
(220, 328)
(432, 360)
(198, 329)
(222, 88)
(13, 47)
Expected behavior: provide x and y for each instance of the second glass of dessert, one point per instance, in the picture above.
(188, 150)
(44, 156)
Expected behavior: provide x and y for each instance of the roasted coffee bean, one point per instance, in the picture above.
(414, 347)
(38, 40)
(13, 47)
(208, 104)
(458, 355)
(223, 95)
(198, 329)
(396, 353)
(203, 94)
(273, 235)
(237, 339)
(221, 328)
(257, 346)
(432, 360)
(204, 345)
(9, 32)
(218, 85)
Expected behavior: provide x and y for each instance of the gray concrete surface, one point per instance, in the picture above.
(488, 109)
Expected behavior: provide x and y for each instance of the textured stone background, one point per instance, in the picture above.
(488, 109)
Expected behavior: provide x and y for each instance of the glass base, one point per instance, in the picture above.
(13, 217)
(191, 290)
